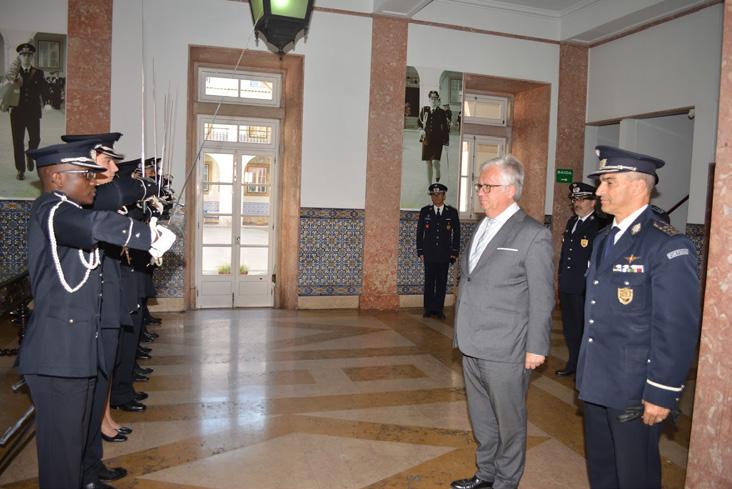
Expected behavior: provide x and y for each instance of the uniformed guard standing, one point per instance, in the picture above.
(641, 326)
(438, 246)
(61, 351)
(577, 240)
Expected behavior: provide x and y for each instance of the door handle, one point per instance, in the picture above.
(238, 238)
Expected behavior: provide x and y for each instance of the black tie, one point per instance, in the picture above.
(439, 212)
(610, 242)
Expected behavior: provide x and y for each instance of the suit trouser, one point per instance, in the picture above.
(123, 390)
(63, 406)
(93, 452)
(497, 406)
(19, 123)
(620, 455)
(435, 285)
(573, 318)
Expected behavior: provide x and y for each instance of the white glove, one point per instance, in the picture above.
(155, 204)
(162, 239)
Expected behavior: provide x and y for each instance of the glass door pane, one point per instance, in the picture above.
(256, 213)
(217, 195)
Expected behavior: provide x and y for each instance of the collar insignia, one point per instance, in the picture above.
(635, 229)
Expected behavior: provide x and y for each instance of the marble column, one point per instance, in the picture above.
(570, 131)
(383, 163)
(710, 447)
(89, 66)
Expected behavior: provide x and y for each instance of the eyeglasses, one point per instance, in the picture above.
(486, 187)
(88, 174)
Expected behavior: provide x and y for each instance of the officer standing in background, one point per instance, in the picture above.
(576, 250)
(61, 350)
(438, 246)
(641, 326)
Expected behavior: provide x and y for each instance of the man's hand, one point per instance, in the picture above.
(653, 414)
(533, 360)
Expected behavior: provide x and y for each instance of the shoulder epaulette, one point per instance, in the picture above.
(665, 228)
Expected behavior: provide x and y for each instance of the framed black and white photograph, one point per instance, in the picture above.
(32, 105)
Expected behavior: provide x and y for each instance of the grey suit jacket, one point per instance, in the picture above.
(504, 306)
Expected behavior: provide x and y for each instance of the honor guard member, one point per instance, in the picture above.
(61, 351)
(577, 240)
(438, 246)
(641, 326)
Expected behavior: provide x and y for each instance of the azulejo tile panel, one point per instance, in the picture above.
(168, 279)
(330, 258)
(697, 233)
(14, 217)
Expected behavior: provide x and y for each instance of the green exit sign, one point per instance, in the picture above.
(564, 175)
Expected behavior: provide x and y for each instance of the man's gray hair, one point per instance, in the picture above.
(512, 172)
(649, 179)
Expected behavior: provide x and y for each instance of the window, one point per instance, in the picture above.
(225, 132)
(236, 87)
(475, 151)
(485, 109)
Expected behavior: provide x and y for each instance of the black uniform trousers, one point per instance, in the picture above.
(21, 121)
(123, 390)
(621, 455)
(93, 452)
(435, 286)
(573, 317)
(63, 406)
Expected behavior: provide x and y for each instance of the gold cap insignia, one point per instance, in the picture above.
(603, 162)
(625, 295)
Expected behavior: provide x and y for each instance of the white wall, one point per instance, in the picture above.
(336, 92)
(608, 135)
(672, 65)
(492, 55)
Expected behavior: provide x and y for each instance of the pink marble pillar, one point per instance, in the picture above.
(710, 447)
(89, 66)
(570, 131)
(384, 163)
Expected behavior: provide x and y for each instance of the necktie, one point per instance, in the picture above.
(439, 212)
(479, 243)
(610, 241)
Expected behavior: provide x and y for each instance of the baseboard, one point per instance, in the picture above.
(166, 304)
(328, 302)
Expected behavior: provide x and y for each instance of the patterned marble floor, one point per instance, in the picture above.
(269, 399)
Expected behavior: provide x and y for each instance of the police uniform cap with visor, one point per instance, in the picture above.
(581, 190)
(25, 48)
(78, 153)
(436, 188)
(127, 168)
(616, 160)
(105, 144)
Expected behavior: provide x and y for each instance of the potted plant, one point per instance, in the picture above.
(224, 269)
(243, 270)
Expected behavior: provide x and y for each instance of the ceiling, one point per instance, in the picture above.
(583, 21)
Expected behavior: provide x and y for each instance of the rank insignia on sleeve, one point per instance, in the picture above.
(680, 252)
(584, 242)
(635, 229)
(625, 295)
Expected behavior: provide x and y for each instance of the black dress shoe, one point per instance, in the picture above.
(144, 370)
(97, 485)
(473, 483)
(112, 474)
(20, 175)
(440, 315)
(141, 378)
(155, 336)
(142, 355)
(140, 396)
(146, 338)
(29, 163)
(132, 406)
(153, 320)
(125, 430)
(144, 349)
(117, 438)
(564, 372)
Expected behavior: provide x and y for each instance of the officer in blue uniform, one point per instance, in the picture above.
(577, 240)
(641, 326)
(438, 246)
(61, 351)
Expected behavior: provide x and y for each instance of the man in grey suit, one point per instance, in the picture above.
(502, 322)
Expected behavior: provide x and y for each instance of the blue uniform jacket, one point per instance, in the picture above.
(576, 251)
(642, 309)
(438, 237)
(61, 337)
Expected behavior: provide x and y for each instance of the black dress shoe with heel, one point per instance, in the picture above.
(97, 485)
(474, 483)
(112, 474)
(140, 396)
(124, 430)
(564, 372)
(117, 438)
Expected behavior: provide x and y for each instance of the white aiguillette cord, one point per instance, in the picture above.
(90, 264)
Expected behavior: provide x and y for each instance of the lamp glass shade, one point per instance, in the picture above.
(257, 9)
(296, 9)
